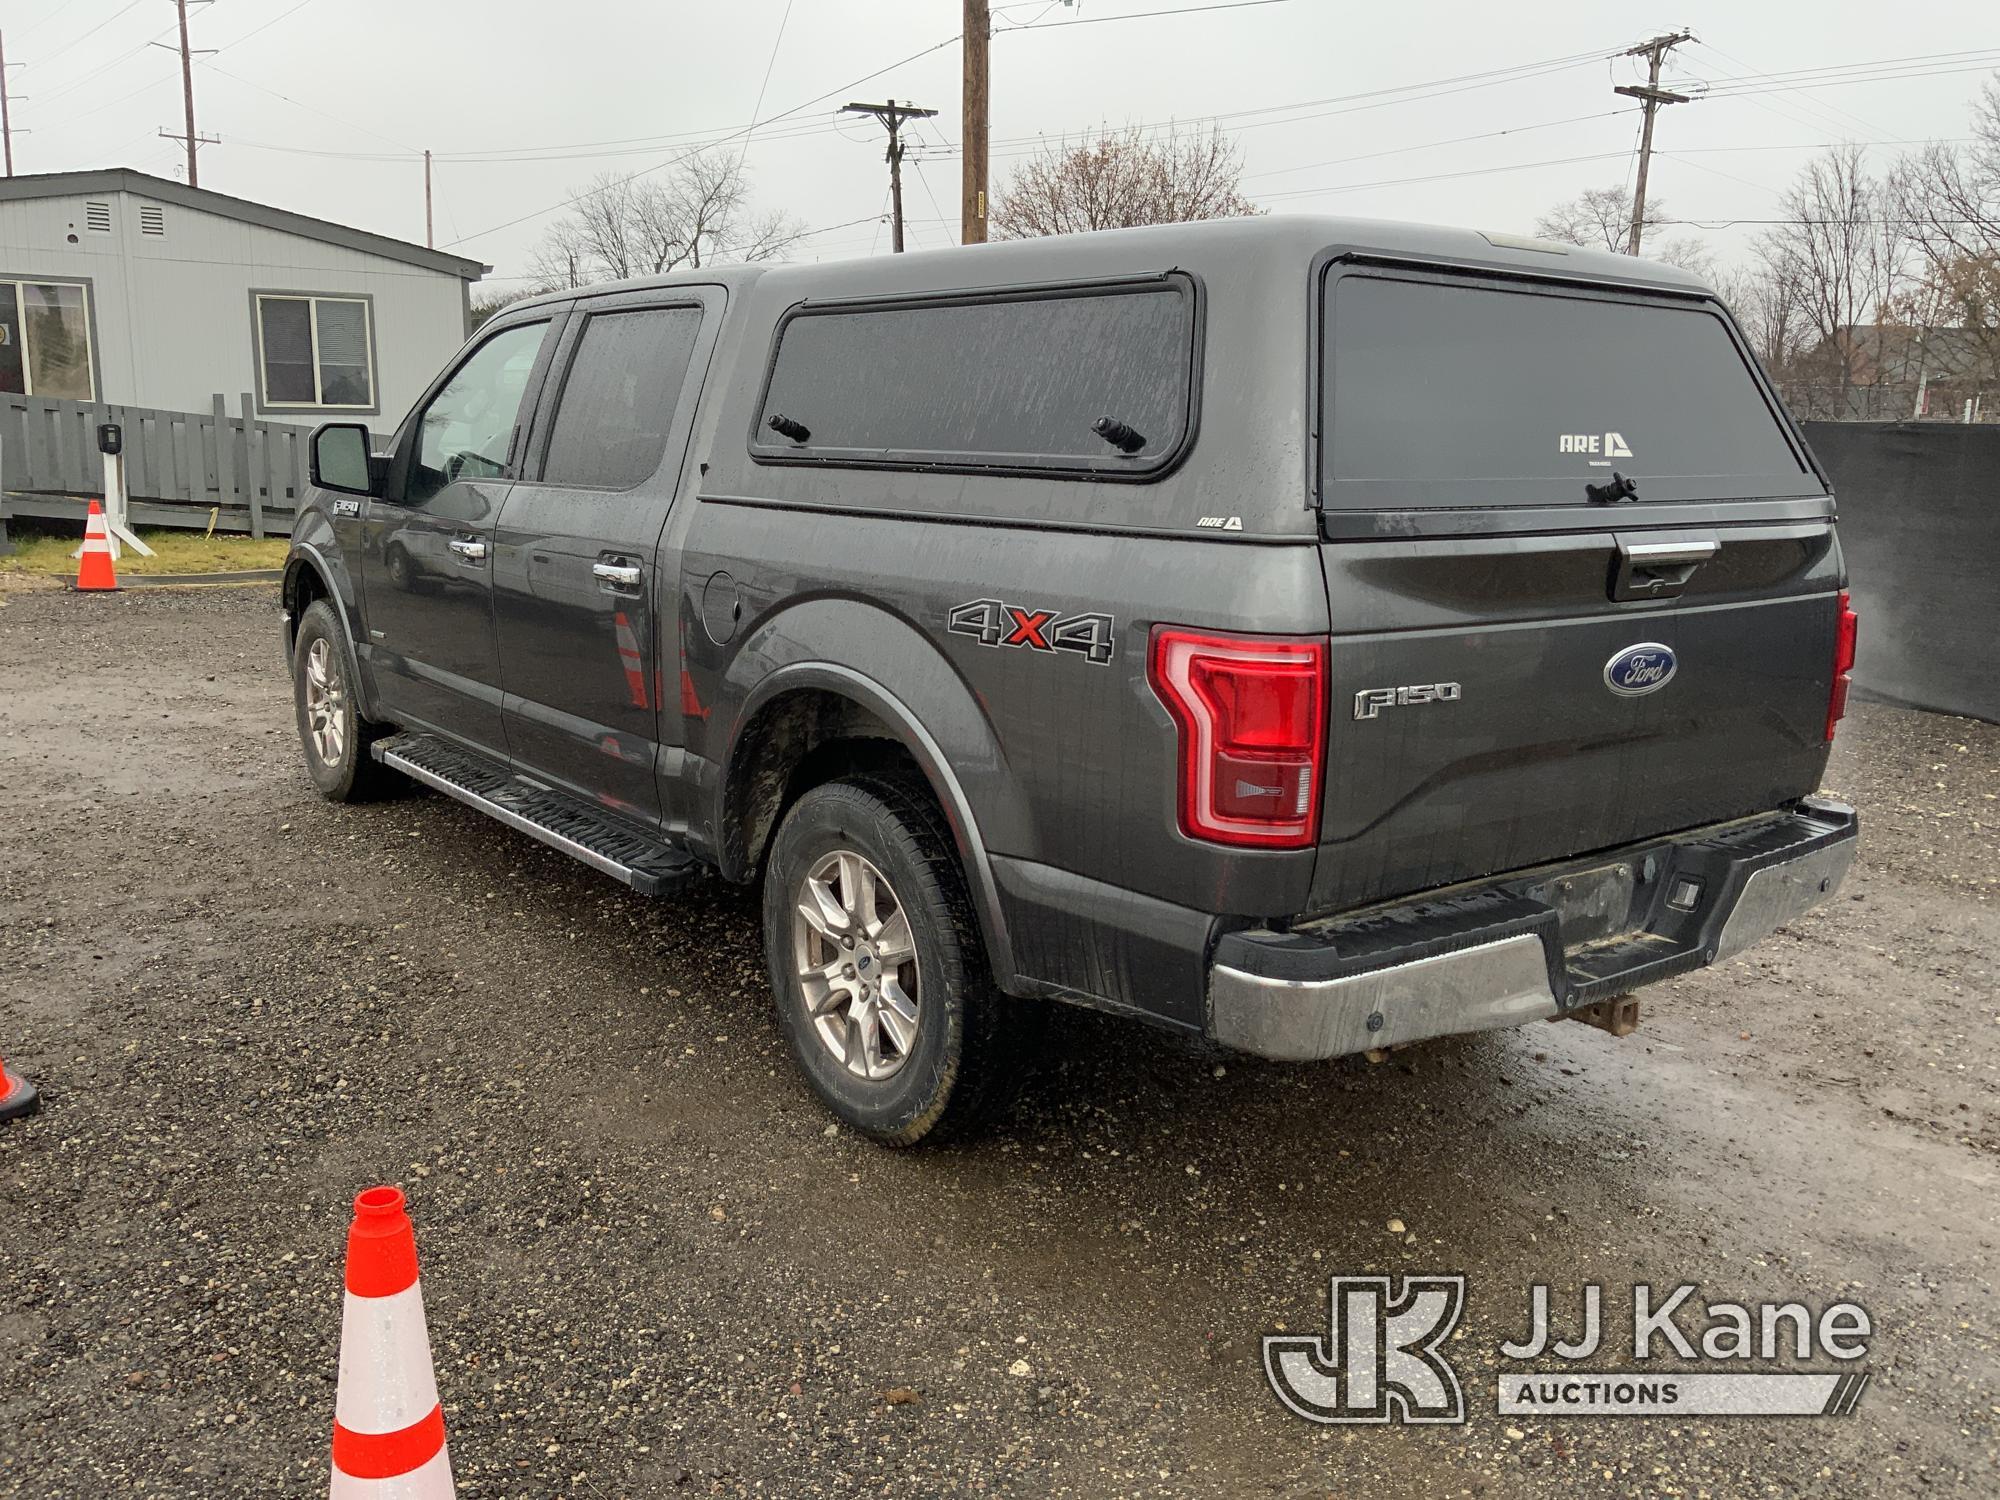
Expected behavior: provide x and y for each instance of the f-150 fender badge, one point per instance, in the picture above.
(1644, 668)
(347, 507)
(1369, 702)
(992, 622)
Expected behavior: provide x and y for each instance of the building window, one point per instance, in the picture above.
(315, 352)
(45, 340)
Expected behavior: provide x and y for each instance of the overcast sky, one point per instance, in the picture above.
(323, 105)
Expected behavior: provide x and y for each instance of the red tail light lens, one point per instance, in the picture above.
(1845, 629)
(1251, 711)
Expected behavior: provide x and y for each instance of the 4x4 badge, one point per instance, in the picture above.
(993, 622)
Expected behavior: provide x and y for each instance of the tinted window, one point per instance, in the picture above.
(618, 400)
(1467, 395)
(1013, 383)
(469, 426)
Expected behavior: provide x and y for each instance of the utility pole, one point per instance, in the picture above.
(430, 236)
(972, 209)
(6, 120)
(187, 95)
(892, 115)
(1650, 96)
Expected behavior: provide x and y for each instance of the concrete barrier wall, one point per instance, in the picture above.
(1920, 526)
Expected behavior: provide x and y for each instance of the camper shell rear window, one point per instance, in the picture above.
(1445, 391)
(1093, 380)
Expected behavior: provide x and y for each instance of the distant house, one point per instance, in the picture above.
(129, 289)
(1896, 371)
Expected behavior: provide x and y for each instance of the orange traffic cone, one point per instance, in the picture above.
(631, 660)
(93, 569)
(388, 1428)
(17, 1095)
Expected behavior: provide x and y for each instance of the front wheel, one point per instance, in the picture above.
(882, 984)
(332, 731)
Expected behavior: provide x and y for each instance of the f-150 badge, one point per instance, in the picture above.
(993, 622)
(1371, 701)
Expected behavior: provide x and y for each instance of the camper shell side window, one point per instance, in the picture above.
(1089, 380)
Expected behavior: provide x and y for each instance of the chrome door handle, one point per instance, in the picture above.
(1669, 554)
(1653, 568)
(472, 552)
(624, 575)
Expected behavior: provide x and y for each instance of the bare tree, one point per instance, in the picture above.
(1842, 254)
(1948, 198)
(1120, 179)
(1601, 219)
(1768, 305)
(696, 214)
(1596, 218)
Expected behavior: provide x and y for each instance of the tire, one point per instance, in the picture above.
(332, 732)
(931, 1077)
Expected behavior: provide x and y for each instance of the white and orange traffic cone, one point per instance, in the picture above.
(388, 1428)
(631, 660)
(17, 1095)
(94, 572)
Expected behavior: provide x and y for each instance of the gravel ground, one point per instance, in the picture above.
(651, 1267)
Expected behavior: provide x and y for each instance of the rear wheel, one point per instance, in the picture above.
(332, 731)
(882, 984)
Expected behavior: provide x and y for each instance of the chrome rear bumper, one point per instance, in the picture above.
(1525, 947)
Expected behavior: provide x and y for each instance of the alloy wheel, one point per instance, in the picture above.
(326, 702)
(856, 959)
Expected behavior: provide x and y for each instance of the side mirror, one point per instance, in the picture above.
(341, 460)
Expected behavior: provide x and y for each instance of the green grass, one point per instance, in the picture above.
(47, 553)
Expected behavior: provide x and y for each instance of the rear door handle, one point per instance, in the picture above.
(618, 575)
(468, 551)
(1658, 568)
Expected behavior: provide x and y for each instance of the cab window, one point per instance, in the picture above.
(468, 429)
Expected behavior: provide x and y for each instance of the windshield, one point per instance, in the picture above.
(1441, 392)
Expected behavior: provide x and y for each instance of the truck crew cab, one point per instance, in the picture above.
(1313, 634)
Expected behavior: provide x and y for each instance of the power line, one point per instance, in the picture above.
(1880, 62)
(259, 31)
(757, 124)
(34, 26)
(86, 36)
(1140, 15)
(99, 71)
(1830, 113)
(1523, 166)
(1457, 140)
(769, 63)
(213, 67)
(1408, 93)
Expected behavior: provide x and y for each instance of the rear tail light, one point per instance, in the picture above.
(1251, 711)
(1843, 662)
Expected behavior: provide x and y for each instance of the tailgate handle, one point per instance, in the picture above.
(1658, 569)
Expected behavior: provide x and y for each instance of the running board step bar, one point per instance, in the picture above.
(649, 865)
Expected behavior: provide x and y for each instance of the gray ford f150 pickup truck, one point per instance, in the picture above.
(1313, 634)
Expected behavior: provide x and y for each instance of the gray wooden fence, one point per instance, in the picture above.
(179, 466)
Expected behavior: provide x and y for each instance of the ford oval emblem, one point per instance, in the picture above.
(1644, 668)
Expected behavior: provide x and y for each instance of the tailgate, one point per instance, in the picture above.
(1581, 576)
(1475, 729)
